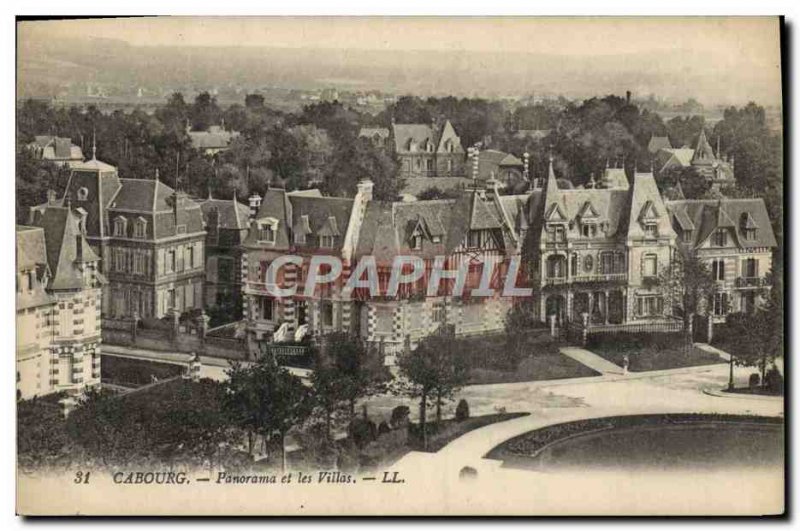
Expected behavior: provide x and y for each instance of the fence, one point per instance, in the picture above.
(186, 337)
(581, 331)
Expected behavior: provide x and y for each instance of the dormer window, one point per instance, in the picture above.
(748, 226)
(326, 242)
(416, 242)
(83, 194)
(436, 239)
(721, 238)
(267, 230)
(650, 230)
(120, 226)
(140, 228)
(687, 236)
(300, 238)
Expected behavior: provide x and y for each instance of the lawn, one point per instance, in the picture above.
(539, 359)
(650, 352)
(135, 373)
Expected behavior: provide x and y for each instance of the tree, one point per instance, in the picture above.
(519, 322)
(688, 287)
(433, 370)
(41, 432)
(267, 401)
(172, 423)
(758, 336)
(204, 112)
(434, 192)
(358, 160)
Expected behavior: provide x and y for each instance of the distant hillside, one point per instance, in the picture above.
(44, 67)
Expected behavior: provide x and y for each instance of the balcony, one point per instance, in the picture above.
(585, 279)
(605, 277)
(752, 282)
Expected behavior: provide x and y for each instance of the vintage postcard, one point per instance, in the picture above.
(400, 266)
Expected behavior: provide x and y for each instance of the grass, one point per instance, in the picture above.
(135, 373)
(491, 359)
(650, 352)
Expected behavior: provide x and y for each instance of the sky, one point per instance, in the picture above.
(742, 53)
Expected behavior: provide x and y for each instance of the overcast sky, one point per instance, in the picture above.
(742, 50)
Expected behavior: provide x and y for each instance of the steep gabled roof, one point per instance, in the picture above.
(62, 231)
(703, 154)
(645, 200)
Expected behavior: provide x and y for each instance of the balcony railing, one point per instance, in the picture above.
(752, 282)
(577, 279)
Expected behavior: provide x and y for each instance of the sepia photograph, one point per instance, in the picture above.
(400, 266)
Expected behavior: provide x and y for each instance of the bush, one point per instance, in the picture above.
(400, 417)
(773, 381)
(754, 380)
(462, 411)
(383, 428)
(362, 432)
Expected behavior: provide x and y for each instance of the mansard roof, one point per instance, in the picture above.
(232, 214)
(707, 215)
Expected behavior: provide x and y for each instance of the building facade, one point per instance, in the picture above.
(735, 239)
(226, 223)
(150, 240)
(56, 149)
(59, 294)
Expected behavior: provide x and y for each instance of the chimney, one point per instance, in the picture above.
(628, 97)
(365, 187)
(51, 197)
(255, 205)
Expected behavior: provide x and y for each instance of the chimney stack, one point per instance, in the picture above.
(79, 248)
(365, 187)
(255, 205)
(51, 197)
(628, 97)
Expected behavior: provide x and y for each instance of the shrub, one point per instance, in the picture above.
(773, 381)
(462, 411)
(383, 428)
(399, 417)
(754, 380)
(362, 432)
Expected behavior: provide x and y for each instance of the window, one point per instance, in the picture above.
(589, 231)
(720, 303)
(267, 308)
(651, 230)
(327, 313)
(574, 263)
(438, 312)
(140, 228)
(649, 306)
(555, 233)
(556, 267)
(750, 234)
(120, 226)
(171, 261)
(720, 238)
(170, 299)
(326, 242)
(748, 302)
(29, 279)
(474, 238)
(83, 193)
(266, 233)
(416, 242)
(449, 165)
(607, 263)
(750, 268)
(190, 257)
(718, 269)
(687, 236)
(436, 239)
(429, 164)
(300, 238)
(650, 266)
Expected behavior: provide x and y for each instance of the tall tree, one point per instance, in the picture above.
(688, 287)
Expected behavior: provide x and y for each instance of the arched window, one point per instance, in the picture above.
(140, 228)
(588, 263)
